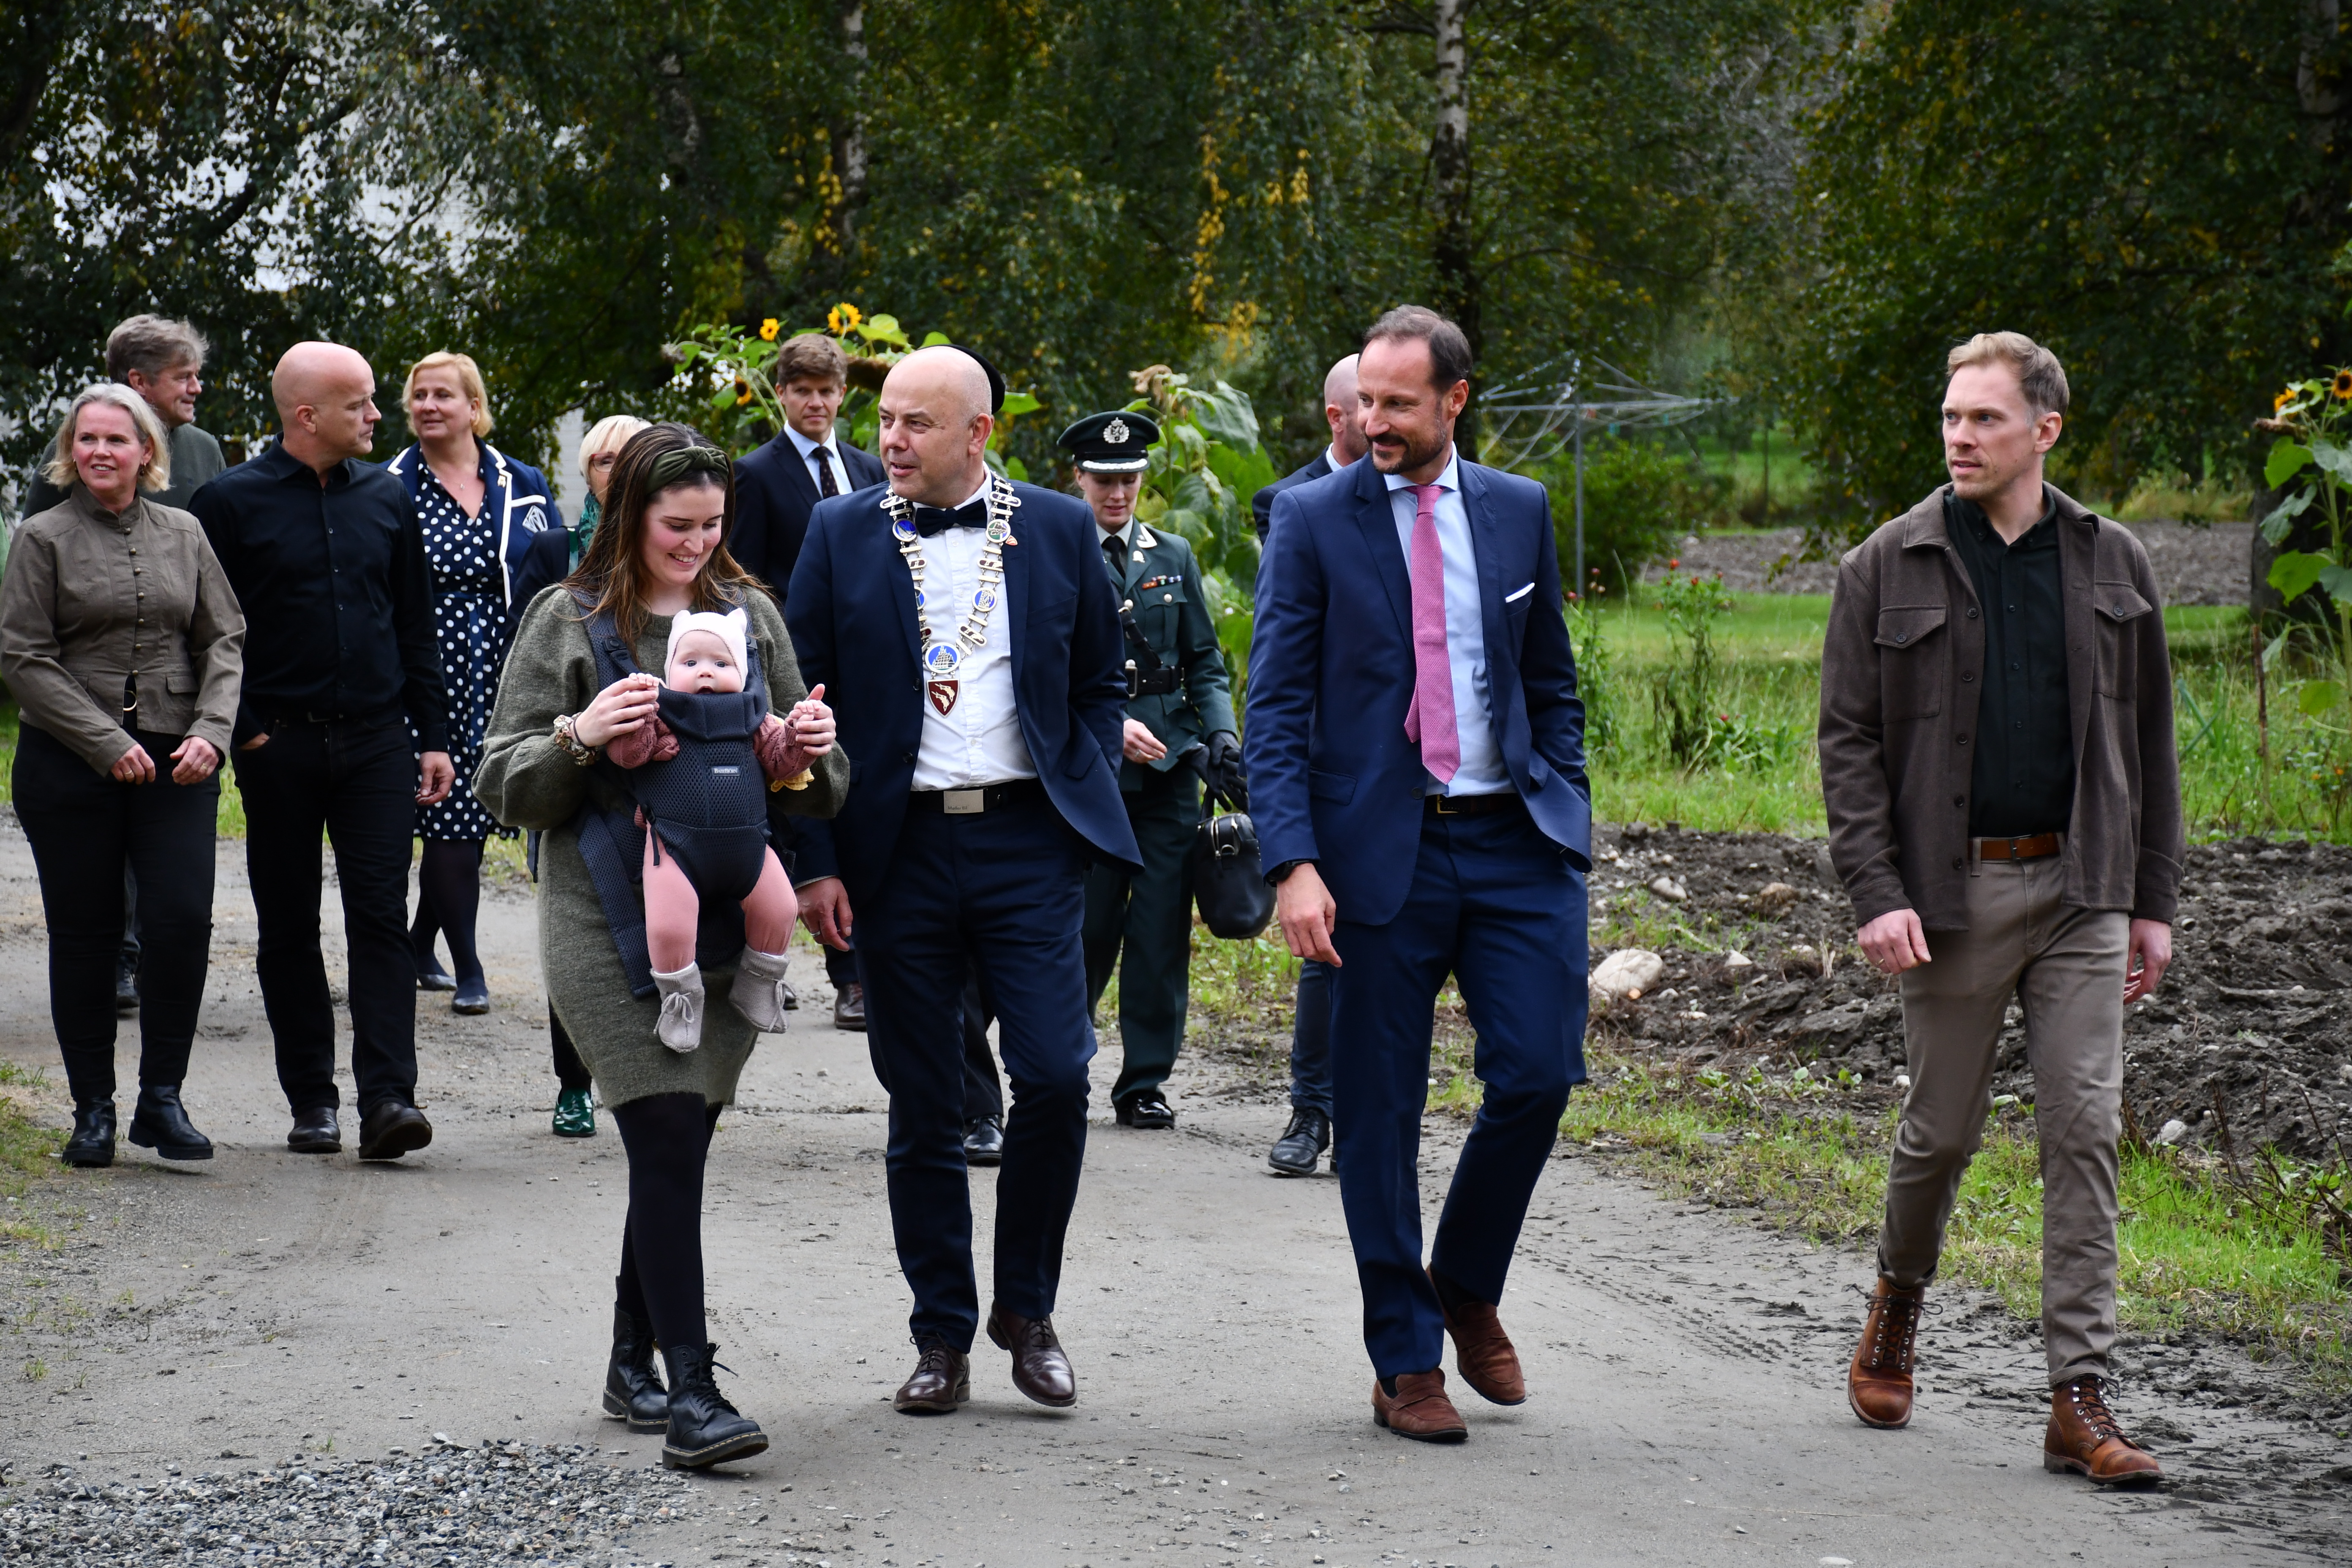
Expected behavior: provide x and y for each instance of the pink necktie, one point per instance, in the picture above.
(1429, 721)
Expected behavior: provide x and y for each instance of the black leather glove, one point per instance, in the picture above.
(1222, 770)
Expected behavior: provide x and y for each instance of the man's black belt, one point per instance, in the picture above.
(318, 720)
(1473, 805)
(977, 799)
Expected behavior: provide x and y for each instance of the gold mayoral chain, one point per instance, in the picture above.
(942, 659)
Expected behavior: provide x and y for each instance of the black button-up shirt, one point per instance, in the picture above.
(337, 596)
(2023, 779)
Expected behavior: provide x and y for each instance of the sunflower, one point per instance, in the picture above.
(842, 318)
(742, 392)
(2278, 403)
(768, 330)
(2341, 388)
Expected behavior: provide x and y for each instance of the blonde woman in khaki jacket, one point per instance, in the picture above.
(123, 643)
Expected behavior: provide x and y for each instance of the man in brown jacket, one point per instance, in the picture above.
(2004, 808)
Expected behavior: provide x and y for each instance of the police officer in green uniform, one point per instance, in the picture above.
(1179, 733)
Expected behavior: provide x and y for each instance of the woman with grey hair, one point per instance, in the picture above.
(123, 645)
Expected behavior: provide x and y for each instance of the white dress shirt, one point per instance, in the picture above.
(979, 741)
(815, 452)
(1482, 770)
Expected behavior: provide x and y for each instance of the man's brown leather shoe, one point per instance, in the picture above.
(942, 1380)
(1878, 1383)
(2084, 1437)
(1419, 1409)
(1040, 1369)
(849, 1008)
(1482, 1351)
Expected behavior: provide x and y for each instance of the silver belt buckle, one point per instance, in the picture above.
(963, 802)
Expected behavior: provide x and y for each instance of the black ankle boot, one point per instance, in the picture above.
(633, 1389)
(161, 1123)
(704, 1429)
(92, 1143)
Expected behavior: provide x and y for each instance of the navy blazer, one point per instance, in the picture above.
(533, 549)
(1262, 503)
(774, 493)
(851, 613)
(1332, 777)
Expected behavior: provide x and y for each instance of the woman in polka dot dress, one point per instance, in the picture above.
(493, 539)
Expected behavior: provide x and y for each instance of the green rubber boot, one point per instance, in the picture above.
(575, 1114)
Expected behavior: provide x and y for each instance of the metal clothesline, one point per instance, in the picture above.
(1536, 420)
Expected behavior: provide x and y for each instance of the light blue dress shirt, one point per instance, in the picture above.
(810, 450)
(1482, 771)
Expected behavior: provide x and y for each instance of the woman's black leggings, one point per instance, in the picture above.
(668, 1140)
(448, 898)
(84, 827)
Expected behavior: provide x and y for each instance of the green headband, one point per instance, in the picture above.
(680, 461)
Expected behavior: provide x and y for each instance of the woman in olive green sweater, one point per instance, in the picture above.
(658, 552)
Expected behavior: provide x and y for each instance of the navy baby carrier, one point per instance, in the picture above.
(707, 806)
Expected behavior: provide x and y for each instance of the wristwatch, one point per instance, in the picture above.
(567, 735)
(1281, 873)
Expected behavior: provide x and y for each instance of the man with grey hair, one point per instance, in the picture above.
(2004, 808)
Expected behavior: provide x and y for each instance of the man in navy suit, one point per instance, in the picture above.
(965, 632)
(1309, 1132)
(776, 487)
(1416, 749)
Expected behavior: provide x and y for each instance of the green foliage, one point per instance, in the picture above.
(1596, 673)
(2314, 454)
(1205, 466)
(1684, 692)
(1639, 497)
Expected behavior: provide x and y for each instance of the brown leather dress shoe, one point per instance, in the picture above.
(2084, 1437)
(1878, 1383)
(1419, 1409)
(849, 1008)
(942, 1381)
(1483, 1353)
(1040, 1369)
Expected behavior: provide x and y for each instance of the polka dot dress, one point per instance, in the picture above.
(472, 626)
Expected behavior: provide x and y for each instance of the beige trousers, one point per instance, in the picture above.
(2065, 967)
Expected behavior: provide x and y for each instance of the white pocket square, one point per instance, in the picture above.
(1523, 592)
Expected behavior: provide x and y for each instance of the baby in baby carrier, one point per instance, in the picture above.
(709, 760)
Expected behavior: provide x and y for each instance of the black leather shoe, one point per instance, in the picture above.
(431, 976)
(1041, 1369)
(792, 997)
(473, 996)
(392, 1129)
(633, 1389)
(942, 1381)
(91, 1146)
(704, 1429)
(315, 1132)
(1146, 1110)
(849, 1008)
(983, 1141)
(161, 1123)
(1302, 1144)
(126, 987)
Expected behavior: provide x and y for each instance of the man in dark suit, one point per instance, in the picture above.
(965, 630)
(1309, 1132)
(776, 487)
(1416, 746)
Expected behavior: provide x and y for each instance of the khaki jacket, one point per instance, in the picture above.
(89, 598)
(1900, 673)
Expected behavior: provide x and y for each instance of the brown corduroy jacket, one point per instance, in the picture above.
(1901, 671)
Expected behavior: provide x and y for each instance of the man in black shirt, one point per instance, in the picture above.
(327, 557)
(2022, 783)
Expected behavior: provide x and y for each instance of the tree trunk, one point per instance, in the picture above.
(847, 198)
(1453, 252)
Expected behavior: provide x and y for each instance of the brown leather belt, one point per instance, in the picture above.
(2030, 848)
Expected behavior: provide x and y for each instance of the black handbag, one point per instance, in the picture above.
(1228, 881)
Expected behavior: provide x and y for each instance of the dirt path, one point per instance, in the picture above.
(1685, 1368)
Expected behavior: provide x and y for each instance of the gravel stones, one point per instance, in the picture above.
(510, 1504)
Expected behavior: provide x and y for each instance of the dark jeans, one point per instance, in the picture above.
(1310, 1040)
(355, 781)
(85, 828)
(841, 968)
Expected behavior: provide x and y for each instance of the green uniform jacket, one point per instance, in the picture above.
(1164, 581)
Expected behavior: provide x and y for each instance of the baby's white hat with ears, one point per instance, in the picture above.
(730, 628)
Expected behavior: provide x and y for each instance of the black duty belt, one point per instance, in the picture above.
(977, 799)
(1473, 805)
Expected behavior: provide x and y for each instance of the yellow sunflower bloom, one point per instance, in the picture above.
(2279, 403)
(768, 330)
(850, 314)
(2341, 388)
(832, 321)
(742, 392)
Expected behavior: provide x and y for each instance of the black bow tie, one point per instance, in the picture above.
(930, 520)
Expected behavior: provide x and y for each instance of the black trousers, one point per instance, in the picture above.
(353, 781)
(85, 828)
(571, 1073)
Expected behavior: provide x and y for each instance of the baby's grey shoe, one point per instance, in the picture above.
(681, 1008)
(760, 993)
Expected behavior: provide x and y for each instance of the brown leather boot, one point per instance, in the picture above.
(1419, 1409)
(1482, 1351)
(2084, 1437)
(1878, 1383)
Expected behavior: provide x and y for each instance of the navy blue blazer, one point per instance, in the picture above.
(533, 549)
(774, 493)
(1262, 503)
(852, 614)
(1332, 777)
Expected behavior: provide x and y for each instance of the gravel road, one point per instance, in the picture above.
(274, 1358)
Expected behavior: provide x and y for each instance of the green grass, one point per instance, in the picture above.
(27, 1150)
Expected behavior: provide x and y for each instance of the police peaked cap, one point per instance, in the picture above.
(1111, 443)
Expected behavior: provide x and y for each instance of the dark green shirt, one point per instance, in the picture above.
(2023, 779)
